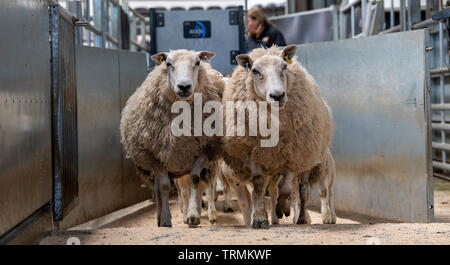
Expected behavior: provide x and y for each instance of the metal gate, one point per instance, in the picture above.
(380, 101)
(64, 111)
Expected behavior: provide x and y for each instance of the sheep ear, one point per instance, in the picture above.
(243, 59)
(160, 57)
(289, 53)
(205, 55)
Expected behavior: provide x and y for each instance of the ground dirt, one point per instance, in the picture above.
(140, 228)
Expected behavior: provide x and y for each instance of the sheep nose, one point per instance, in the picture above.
(184, 88)
(278, 97)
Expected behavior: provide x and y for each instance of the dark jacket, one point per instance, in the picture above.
(268, 38)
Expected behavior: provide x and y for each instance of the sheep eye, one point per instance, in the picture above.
(256, 72)
(169, 65)
(197, 63)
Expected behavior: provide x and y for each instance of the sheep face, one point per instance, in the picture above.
(182, 70)
(268, 74)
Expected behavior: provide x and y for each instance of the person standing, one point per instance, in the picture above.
(261, 31)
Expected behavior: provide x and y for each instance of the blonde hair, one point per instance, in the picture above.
(257, 14)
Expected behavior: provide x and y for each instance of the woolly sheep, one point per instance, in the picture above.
(146, 126)
(305, 128)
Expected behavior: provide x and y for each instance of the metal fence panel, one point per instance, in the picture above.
(104, 79)
(380, 105)
(25, 125)
(307, 27)
(132, 70)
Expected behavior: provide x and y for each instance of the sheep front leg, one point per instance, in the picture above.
(193, 215)
(162, 189)
(273, 192)
(244, 199)
(285, 191)
(210, 196)
(227, 208)
(260, 183)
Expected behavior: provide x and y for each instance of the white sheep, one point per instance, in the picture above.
(305, 130)
(146, 127)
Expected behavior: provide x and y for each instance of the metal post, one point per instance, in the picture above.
(409, 17)
(119, 28)
(335, 9)
(352, 17)
(87, 16)
(363, 11)
(441, 64)
(106, 21)
(402, 15)
(79, 30)
(392, 24)
(143, 41)
(99, 40)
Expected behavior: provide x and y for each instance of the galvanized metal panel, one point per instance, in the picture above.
(132, 71)
(99, 150)
(224, 37)
(25, 125)
(376, 89)
(306, 27)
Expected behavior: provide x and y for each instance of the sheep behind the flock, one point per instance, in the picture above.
(305, 127)
(146, 126)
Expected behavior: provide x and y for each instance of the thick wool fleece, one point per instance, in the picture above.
(146, 122)
(306, 124)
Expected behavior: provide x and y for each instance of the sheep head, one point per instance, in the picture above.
(269, 74)
(182, 69)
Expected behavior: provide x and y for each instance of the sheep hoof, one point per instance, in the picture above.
(328, 219)
(303, 220)
(228, 209)
(193, 221)
(275, 222)
(165, 223)
(260, 224)
(279, 211)
(213, 220)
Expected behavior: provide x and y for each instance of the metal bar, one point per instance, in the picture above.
(409, 15)
(445, 106)
(402, 15)
(136, 14)
(56, 113)
(111, 39)
(335, 11)
(440, 126)
(350, 5)
(441, 79)
(79, 30)
(343, 25)
(439, 71)
(441, 146)
(352, 17)
(392, 24)
(363, 11)
(425, 24)
(397, 28)
(87, 16)
(441, 176)
(99, 39)
(441, 165)
(107, 19)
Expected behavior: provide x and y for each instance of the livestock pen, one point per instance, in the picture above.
(68, 67)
